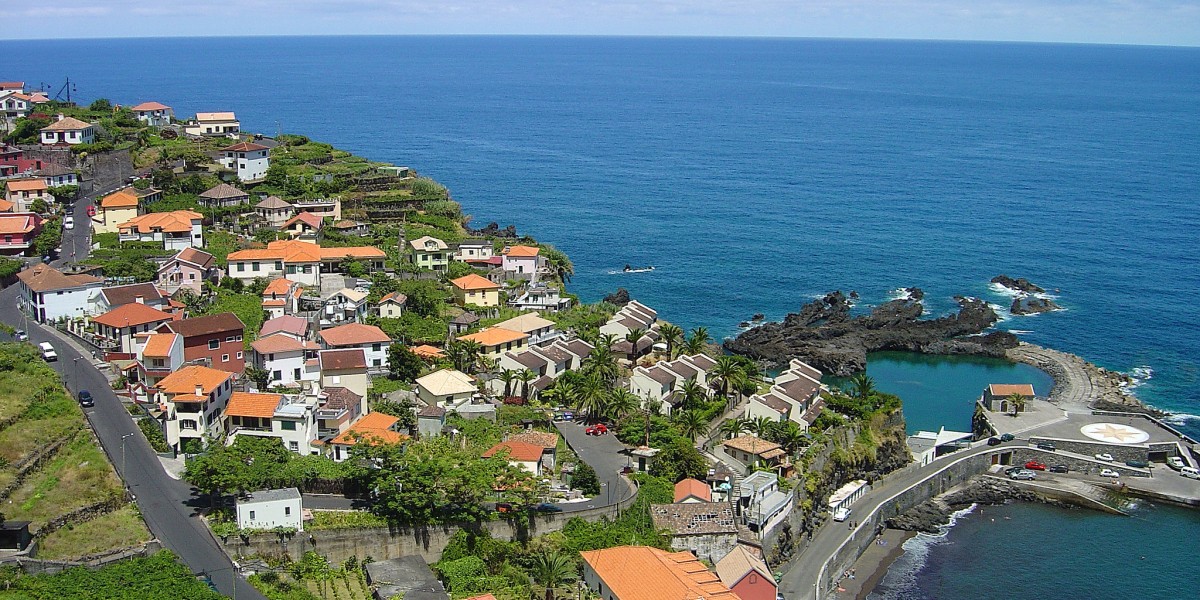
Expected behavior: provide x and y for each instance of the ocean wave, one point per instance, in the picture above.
(900, 582)
(1180, 418)
(1001, 311)
(1139, 376)
(1000, 290)
(1019, 331)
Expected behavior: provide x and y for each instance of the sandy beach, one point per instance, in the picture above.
(873, 565)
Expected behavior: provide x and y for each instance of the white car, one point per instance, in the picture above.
(69, 223)
(1106, 457)
(841, 514)
(1190, 472)
(1174, 462)
(1109, 473)
(21, 335)
(48, 352)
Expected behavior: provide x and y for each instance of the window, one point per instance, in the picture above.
(287, 425)
(376, 362)
(224, 358)
(276, 375)
(251, 515)
(296, 373)
(239, 356)
(214, 344)
(229, 339)
(254, 266)
(241, 267)
(376, 347)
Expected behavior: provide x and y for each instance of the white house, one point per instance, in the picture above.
(762, 503)
(521, 455)
(540, 296)
(272, 415)
(794, 396)
(521, 262)
(540, 330)
(213, 123)
(346, 306)
(192, 401)
(68, 131)
(154, 114)
(250, 160)
(391, 306)
(662, 382)
(446, 388)
(288, 361)
(175, 230)
(371, 339)
(281, 297)
(116, 328)
(49, 295)
(57, 175)
(268, 509)
(158, 355)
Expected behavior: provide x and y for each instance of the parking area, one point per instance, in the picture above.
(605, 454)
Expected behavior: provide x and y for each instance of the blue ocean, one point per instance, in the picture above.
(757, 174)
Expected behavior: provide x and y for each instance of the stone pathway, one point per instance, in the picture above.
(1078, 384)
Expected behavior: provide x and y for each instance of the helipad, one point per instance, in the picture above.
(1114, 433)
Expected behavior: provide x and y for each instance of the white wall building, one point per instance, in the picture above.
(269, 509)
(49, 295)
(287, 360)
(248, 159)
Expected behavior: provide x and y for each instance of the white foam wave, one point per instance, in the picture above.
(1019, 331)
(1000, 290)
(1180, 418)
(901, 579)
(1139, 376)
(1001, 311)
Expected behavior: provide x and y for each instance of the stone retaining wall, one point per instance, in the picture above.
(1075, 464)
(1120, 454)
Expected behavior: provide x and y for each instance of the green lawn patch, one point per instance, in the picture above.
(77, 476)
(119, 529)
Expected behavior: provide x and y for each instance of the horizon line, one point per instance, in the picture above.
(605, 35)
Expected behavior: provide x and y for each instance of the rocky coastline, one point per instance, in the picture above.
(1027, 300)
(825, 335)
(930, 516)
(1079, 384)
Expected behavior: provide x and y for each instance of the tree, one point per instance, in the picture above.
(679, 460)
(403, 365)
(789, 435)
(463, 353)
(39, 206)
(691, 424)
(603, 363)
(760, 426)
(698, 343)
(723, 373)
(401, 409)
(260, 377)
(526, 376)
(101, 105)
(551, 568)
(585, 480)
(508, 376)
(693, 394)
(673, 336)
(621, 402)
(862, 386)
(1016, 402)
(632, 337)
(354, 267)
(734, 427)
(592, 395)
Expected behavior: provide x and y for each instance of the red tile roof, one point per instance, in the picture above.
(245, 147)
(247, 404)
(354, 334)
(517, 450)
(692, 488)
(132, 315)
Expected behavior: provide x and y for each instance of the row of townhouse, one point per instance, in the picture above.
(794, 396)
(661, 385)
(299, 261)
(547, 363)
(634, 316)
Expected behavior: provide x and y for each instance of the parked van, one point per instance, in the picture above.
(1190, 472)
(48, 353)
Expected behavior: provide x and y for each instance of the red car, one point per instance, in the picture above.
(1034, 465)
(91, 211)
(599, 429)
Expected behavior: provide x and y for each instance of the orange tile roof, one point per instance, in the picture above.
(1008, 389)
(176, 221)
(374, 428)
(278, 287)
(158, 345)
(25, 185)
(245, 147)
(474, 282)
(274, 303)
(291, 251)
(131, 315)
(146, 106)
(427, 351)
(120, 199)
(44, 278)
(6, 206)
(17, 223)
(67, 124)
(307, 218)
(247, 404)
(517, 450)
(352, 252)
(692, 488)
(521, 251)
(645, 573)
(751, 444)
(281, 342)
(396, 297)
(184, 381)
(353, 334)
(494, 336)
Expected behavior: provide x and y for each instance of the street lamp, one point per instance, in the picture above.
(74, 368)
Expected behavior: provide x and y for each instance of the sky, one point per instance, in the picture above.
(1159, 22)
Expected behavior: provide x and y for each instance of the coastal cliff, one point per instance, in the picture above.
(825, 335)
(930, 516)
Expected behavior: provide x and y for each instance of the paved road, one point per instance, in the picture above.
(604, 454)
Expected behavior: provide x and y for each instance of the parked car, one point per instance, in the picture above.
(1059, 469)
(1109, 473)
(598, 429)
(1174, 462)
(504, 507)
(1190, 472)
(1008, 437)
(1011, 470)
(1106, 457)
(993, 441)
(1047, 446)
(24, 337)
(91, 211)
(1035, 465)
(841, 514)
(1024, 474)
(547, 507)
(69, 223)
(85, 399)
(1140, 464)
(48, 352)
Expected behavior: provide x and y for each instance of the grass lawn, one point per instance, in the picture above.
(247, 307)
(79, 475)
(25, 437)
(118, 529)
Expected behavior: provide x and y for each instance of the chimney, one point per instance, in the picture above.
(61, 117)
(199, 390)
(139, 299)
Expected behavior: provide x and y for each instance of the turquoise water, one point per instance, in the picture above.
(756, 174)
(1035, 551)
(941, 391)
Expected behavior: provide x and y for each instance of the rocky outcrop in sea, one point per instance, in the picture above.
(931, 515)
(1019, 284)
(1030, 305)
(824, 334)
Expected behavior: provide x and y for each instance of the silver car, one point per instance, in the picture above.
(1024, 474)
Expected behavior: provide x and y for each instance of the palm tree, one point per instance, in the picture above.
(632, 337)
(760, 426)
(862, 385)
(591, 396)
(734, 427)
(1017, 403)
(673, 336)
(526, 376)
(723, 373)
(551, 568)
(693, 394)
(508, 375)
(603, 362)
(606, 340)
(790, 437)
(622, 402)
(691, 424)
